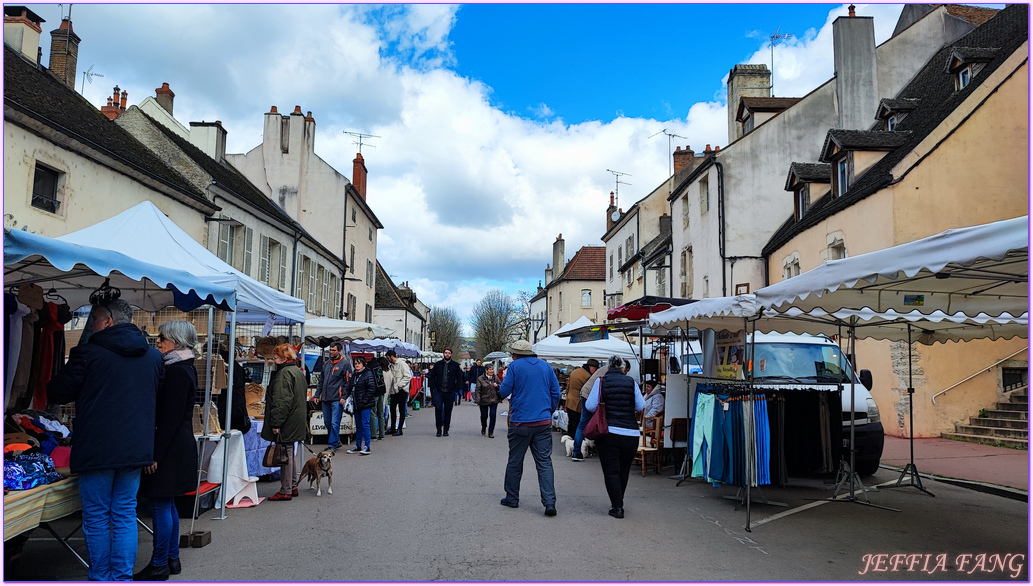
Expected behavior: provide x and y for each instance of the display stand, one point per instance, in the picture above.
(910, 470)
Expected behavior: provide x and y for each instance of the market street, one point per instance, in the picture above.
(425, 508)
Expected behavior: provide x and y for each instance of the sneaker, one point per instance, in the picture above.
(280, 497)
(294, 492)
(353, 451)
(365, 452)
(577, 458)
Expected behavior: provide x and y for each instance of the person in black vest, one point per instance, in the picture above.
(619, 392)
(446, 382)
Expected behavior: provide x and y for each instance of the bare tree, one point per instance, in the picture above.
(495, 317)
(444, 322)
(523, 304)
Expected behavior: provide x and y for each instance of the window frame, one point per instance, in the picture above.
(842, 175)
(38, 200)
(583, 292)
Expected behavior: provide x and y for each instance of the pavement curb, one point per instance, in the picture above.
(984, 487)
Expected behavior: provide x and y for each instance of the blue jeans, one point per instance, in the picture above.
(362, 433)
(332, 418)
(166, 530)
(109, 521)
(539, 439)
(579, 435)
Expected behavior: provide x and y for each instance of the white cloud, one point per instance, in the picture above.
(471, 197)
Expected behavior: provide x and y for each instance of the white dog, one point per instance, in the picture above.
(587, 446)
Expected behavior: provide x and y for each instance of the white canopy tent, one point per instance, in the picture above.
(341, 329)
(979, 269)
(560, 350)
(145, 233)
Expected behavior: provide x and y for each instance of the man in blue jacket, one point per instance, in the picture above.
(446, 382)
(113, 379)
(535, 395)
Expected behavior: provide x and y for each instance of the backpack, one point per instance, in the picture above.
(378, 380)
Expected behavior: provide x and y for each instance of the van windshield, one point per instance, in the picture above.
(800, 362)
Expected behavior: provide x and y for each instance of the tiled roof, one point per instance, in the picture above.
(588, 264)
(864, 140)
(965, 55)
(974, 14)
(757, 104)
(388, 295)
(655, 246)
(40, 96)
(938, 98)
(809, 173)
(889, 106)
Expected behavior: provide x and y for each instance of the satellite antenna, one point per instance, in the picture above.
(670, 161)
(88, 75)
(775, 38)
(359, 136)
(617, 187)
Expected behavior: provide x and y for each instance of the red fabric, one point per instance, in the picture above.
(45, 351)
(60, 456)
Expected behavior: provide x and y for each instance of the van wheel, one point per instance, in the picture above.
(867, 467)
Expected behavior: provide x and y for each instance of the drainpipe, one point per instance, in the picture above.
(721, 223)
(731, 273)
(344, 254)
(294, 267)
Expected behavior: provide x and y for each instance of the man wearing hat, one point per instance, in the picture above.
(575, 404)
(535, 393)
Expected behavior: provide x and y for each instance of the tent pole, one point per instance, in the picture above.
(229, 409)
(204, 416)
(910, 469)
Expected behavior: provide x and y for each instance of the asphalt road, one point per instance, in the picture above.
(423, 508)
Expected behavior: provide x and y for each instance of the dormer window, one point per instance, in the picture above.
(803, 200)
(891, 123)
(964, 76)
(842, 176)
(805, 179)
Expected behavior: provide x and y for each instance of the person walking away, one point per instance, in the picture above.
(285, 413)
(586, 416)
(617, 448)
(535, 394)
(401, 376)
(446, 382)
(575, 404)
(364, 398)
(381, 369)
(174, 469)
(115, 371)
(488, 398)
(333, 382)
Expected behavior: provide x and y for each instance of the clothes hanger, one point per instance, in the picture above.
(53, 294)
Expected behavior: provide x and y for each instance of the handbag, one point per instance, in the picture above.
(597, 426)
(349, 406)
(276, 454)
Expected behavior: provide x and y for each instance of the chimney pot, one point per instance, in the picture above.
(165, 97)
(122, 102)
(272, 110)
(851, 9)
(297, 109)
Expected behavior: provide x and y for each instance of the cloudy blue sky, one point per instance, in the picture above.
(497, 123)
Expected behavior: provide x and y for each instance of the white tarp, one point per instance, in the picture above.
(559, 350)
(341, 329)
(143, 232)
(732, 313)
(979, 269)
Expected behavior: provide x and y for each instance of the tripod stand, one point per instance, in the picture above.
(910, 470)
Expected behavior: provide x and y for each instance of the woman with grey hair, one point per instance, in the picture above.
(617, 448)
(174, 470)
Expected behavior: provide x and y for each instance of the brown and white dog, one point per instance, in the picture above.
(317, 467)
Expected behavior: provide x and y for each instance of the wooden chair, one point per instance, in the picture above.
(650, 443)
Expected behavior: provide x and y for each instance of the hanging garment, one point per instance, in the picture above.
(45, 354)
(722, 449)
(14, 350)
(23, 369)
(702, 436)
(749, 441)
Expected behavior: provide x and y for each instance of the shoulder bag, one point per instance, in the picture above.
(597, 426)
(276, 454)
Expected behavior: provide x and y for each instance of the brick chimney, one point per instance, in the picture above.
(22, 30)
(745, 81)
(683, 159)
(359, 175)
(609, 214)
(116, 104)
(64, 53)
(165, 96)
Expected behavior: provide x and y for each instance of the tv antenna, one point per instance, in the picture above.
(88, 75)
(359, 136)
(617, 184)
(670, 161)
(775, 38)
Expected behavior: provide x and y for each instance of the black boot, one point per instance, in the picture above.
(175, 566)
(151, 573)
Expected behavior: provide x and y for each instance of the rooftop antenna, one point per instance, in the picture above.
(88, 75)
(775, 38)
(617, 187)
(359, 136)
(670, 161)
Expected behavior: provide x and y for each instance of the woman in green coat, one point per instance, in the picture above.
(285, 414)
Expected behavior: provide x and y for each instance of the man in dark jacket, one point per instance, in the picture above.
(113, 380)
(446, 381)
(476, 372)
(333, 388)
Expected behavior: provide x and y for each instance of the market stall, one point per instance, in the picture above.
(73, 273)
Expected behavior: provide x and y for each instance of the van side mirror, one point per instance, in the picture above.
(866, 378)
